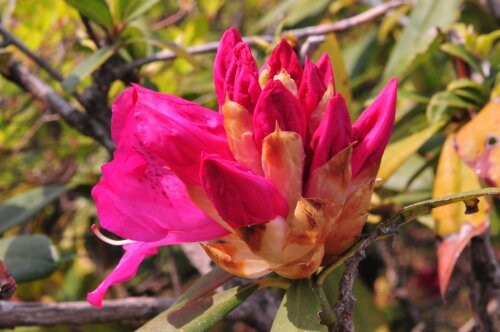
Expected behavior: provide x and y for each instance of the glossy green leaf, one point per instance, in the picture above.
(28, 257)
(299, 310)
(444, 101)
(20, 208)
(304, 9)
(207, 283)
(96, 10)
(275, 15)
(201, 313)
(129, 10)
(418, 35)
(86, 68)
(462, 53)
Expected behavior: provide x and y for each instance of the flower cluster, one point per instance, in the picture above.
(277, 180)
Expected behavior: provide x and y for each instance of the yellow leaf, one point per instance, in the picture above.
(398, 152)
(453, 176)
(478, 143)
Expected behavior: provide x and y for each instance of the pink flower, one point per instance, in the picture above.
(277, 180)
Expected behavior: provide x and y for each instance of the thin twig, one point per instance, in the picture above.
(20, 75)
(11, 39)
(338, 26)
(388, 228)
(90, 31)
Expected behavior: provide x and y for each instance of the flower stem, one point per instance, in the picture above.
(273, 282)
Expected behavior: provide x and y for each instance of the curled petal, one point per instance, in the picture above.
(311, 88)
(284, 57)
(178, 132)
(139, 200)
(277, 106)
(134, 255)
(334, 133)
(324, 65)
(238, 194)
(223, 58)
(373, 129)
(125, 270)
(242, 83)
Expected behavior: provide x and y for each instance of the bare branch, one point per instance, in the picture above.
(20, 75)
(90, 31)
(258, 311)
(338, 26)
(80, 312)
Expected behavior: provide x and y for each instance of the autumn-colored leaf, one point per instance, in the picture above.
(478, 143)
(456, 223)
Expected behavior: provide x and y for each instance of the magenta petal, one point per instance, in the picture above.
(222, 61)
(121, 109)
(334, 133)
(140, 200)
(311, 88)
(324, 65)
(284, 57)
(373, 128)
(241, 197)
(277, 105)
(242, 83)
(125, 270)
(178, 132)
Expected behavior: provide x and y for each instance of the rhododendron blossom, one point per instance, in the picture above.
(277, 180)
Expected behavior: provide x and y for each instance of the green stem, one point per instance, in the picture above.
(328, 316)
(273, 282)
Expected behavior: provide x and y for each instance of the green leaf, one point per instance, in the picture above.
(418, 35)
(20, 208)
(201, 313)
(135, 8)
(210, 281)
(129, 10)
(95, 10)
(304, 9)
(299, 310)
(443, 101)
(461, 52)
(86, 68)
(28, 257)
(398, 152)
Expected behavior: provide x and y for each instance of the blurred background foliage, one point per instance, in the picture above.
(445, 53)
